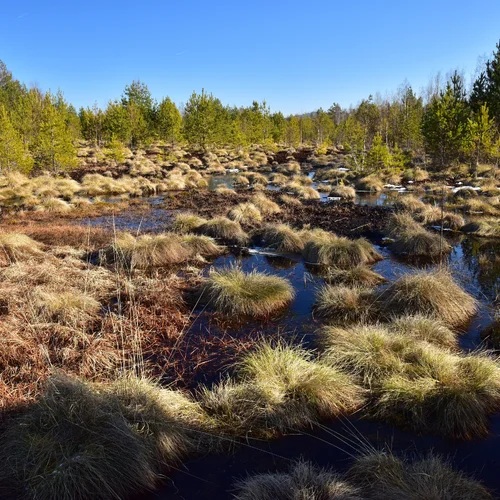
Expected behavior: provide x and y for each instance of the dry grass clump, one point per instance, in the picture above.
(382, 476)
(290, 200)
(147, 251)
(233, 292)
(281, 388)
(281, 238)
(416, 384)
(203, 246)
(343, 192)
(309, 193)
(355, 276)
(70, 307)
(245, 213)
(442, 393)
(400, 223)
(265, 205)
(70, 446)
(429, 293)
(82, 441)
(343, 304)
(186, 222)
(423, 327)
(478, 206)
(339, 252)
(370, 183)
(303, 481)
(224, 229)
(18, 247)
(488, 228)
(420, 243)
(410, 203)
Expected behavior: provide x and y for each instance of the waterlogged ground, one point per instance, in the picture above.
(475, 265)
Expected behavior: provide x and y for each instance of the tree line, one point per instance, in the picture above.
(39, 130)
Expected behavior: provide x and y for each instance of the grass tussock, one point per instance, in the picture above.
(281, 388)
(355, 276)
(245, 213)
(281, 238)
(303, 481)
(371, 184)
(381, 475)
(201, 245)
(265, 205)
(17, 247)
(222, 228)
(420, 244)
(83, 440)
(148, 251)
(343, 304)
(486, 227)
(415, 384)
(425, 328)
(290, 200)
(429, 293)
(72, 446)
(343, 192)
(233, 292)
(187, 222)
(339, 252)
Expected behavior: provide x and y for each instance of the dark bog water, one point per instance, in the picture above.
(475, 265)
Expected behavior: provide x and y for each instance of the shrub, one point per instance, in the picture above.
(342, 304)
(233, 292)
(382, 476)
(225, 230)
(430, 293)
(303, 481)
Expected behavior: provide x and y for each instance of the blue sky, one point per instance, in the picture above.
(296, 55)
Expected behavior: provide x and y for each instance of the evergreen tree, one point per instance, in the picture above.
(486, 88)
(445, 124)
(482, 137)
(116, 123)
(278, 129)
(168, 121)
(14, 155)
(379, 156)
(292, 131)
(54, 145)
(205, 120)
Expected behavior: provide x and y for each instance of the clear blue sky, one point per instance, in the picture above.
(298, 55)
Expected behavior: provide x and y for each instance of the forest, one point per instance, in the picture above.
(39, 130)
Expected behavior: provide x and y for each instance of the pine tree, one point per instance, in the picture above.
(54, 145)
(205, 120)
(445, 124)
(14, 155)
(168, 121)
(379, 156)
(482, 137)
